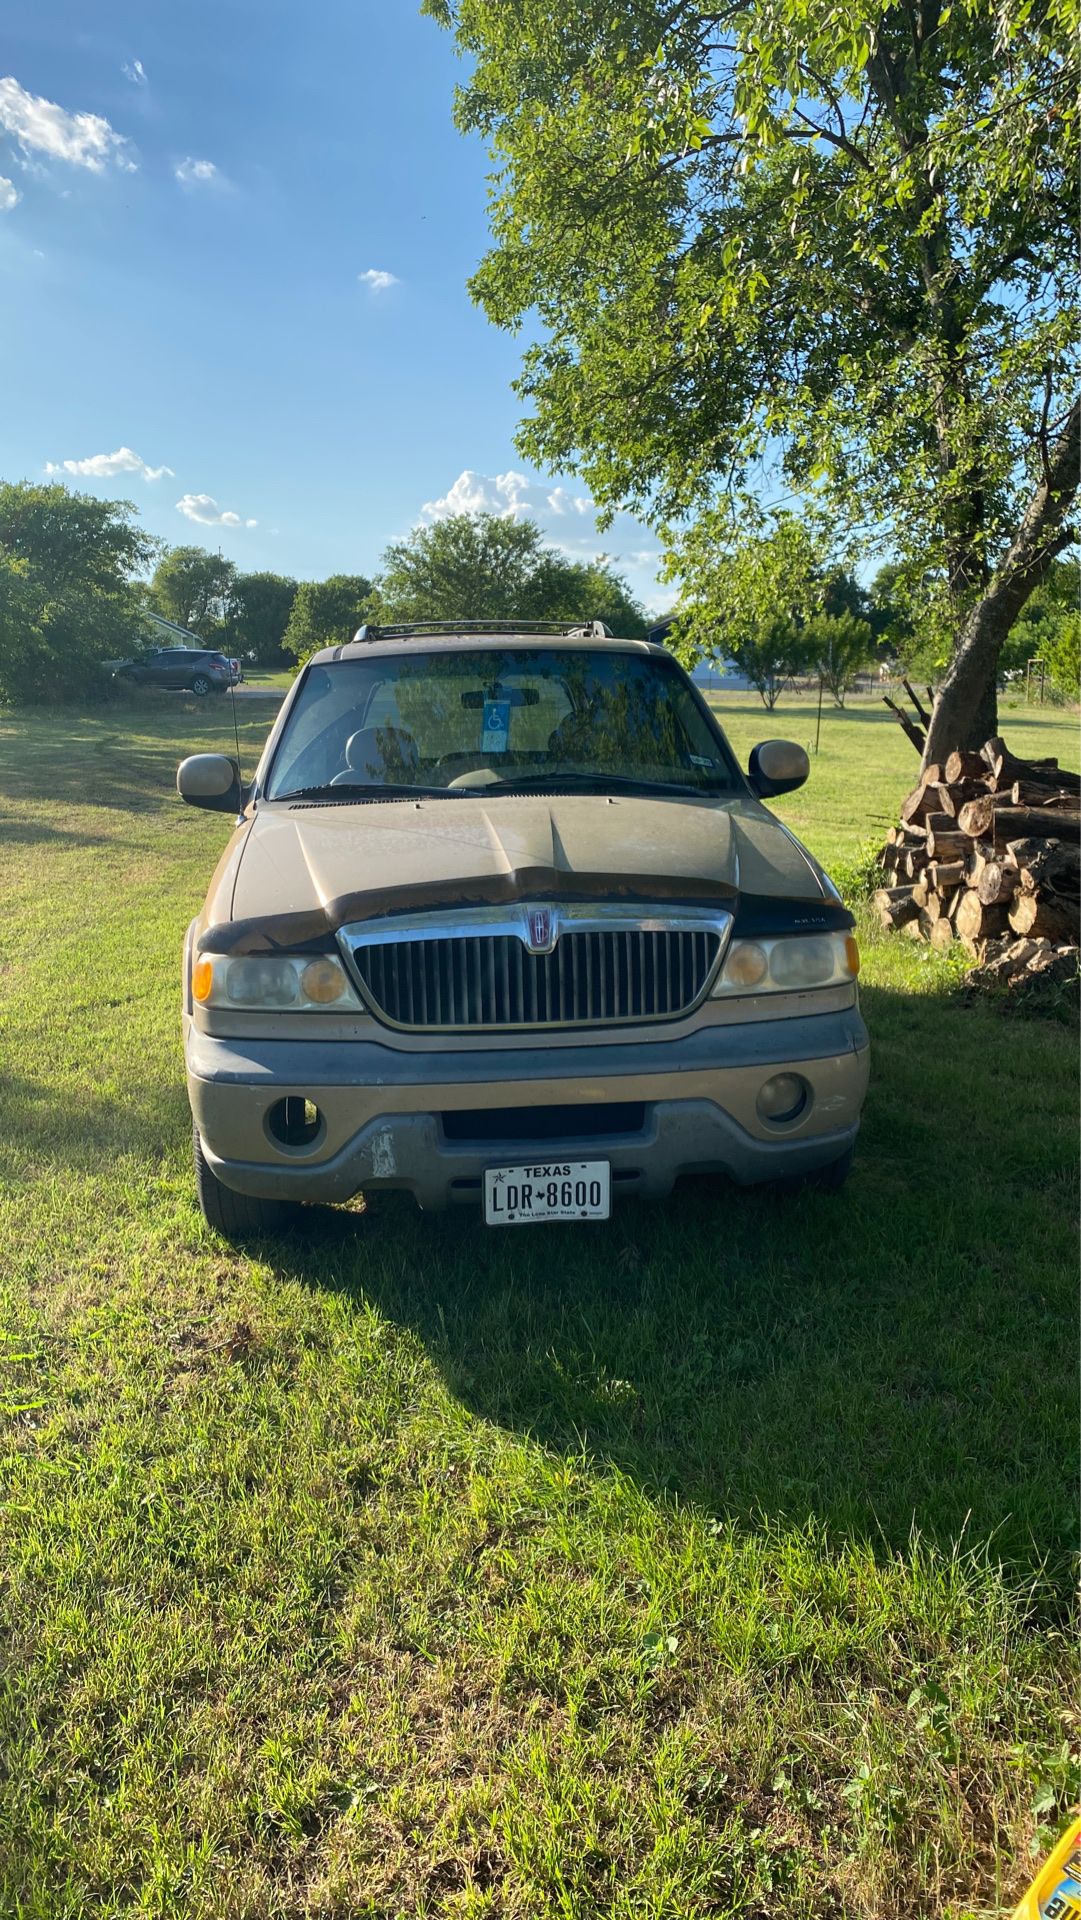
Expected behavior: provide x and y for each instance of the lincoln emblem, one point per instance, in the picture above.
(540, 929)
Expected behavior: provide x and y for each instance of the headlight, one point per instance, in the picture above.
(295, 983)
(791, 964)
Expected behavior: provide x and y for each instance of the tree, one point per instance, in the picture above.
(587, 590)
(261, 606)
(837, 645)
(195, 588)
(326, 613)
(1047, 630)
(770, 653)
(782, 604)
(485, 567)
(793, 230)
(68, 594)
(1061, 653)
(887, 611)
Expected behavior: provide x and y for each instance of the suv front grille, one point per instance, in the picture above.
(594, 975)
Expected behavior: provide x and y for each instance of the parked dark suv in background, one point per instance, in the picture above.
(195, 670)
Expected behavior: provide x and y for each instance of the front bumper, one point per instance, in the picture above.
(382, 1110)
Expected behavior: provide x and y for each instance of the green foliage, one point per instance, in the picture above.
(261, 606)
(789, 232)
(68, 600)
(195, 588)
(887, 610)
(770, 655)
(838, 645)
(486, 567)
(1049, 631)
(777, 602)
(1062, 652)
(326, 613)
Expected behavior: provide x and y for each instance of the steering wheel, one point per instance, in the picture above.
(476, 777)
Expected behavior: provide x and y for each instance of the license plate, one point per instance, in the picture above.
(560, 1190)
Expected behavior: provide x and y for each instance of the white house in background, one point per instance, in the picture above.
(172, 635)
(716, 676)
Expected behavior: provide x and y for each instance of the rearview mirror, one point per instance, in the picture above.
(777, 766)
(210, 780)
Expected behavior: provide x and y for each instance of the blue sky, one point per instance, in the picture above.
(190, 198)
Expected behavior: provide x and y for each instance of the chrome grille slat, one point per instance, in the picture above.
(467, 980)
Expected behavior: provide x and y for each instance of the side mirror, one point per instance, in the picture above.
(777, 766)
(210, 780)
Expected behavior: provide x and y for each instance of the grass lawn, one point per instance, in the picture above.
(269, 679)
(714, 1561)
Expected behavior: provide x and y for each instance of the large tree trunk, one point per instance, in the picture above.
(966, 698)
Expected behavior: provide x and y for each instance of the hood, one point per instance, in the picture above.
(305, 870)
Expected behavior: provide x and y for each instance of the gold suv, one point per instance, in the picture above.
(502, 922)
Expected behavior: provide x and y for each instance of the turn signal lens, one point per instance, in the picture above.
(202, 979)
(323, 981)
(747, 964)
(852, 955)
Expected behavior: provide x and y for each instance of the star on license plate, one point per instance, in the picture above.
(556, 1190)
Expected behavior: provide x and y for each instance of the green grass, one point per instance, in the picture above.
(714, 1561)
(269, 679)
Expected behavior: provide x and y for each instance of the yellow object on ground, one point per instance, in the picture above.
(1055, 1894)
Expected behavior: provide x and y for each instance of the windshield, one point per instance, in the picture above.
(506, 718)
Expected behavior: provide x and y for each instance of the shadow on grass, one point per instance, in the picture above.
(881, 1360)
(890, 1358)
(18, 829)
(78, 1130)
(122, 756)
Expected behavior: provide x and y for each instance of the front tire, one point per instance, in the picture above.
(238, 1216)
(200, 685)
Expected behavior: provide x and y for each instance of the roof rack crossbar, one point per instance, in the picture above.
(407, 630)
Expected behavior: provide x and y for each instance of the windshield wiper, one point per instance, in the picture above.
(360, 790)
(625, 782)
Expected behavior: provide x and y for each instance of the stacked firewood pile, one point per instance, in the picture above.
(988, 852)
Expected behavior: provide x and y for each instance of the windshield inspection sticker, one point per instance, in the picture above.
(496, 730)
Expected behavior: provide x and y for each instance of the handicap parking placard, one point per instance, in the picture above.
(496, 732)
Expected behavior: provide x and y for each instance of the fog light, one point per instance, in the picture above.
(294, 1121)
(782, 1098)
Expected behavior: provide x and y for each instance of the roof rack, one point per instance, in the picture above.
(564, 629)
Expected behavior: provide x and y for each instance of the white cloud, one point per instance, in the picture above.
(102, 466)
(205, 511)
(9, 195)
(561, 501)
(40, 126)
(506, 494)
(199, 173)
(378, 280)
(134, 71)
